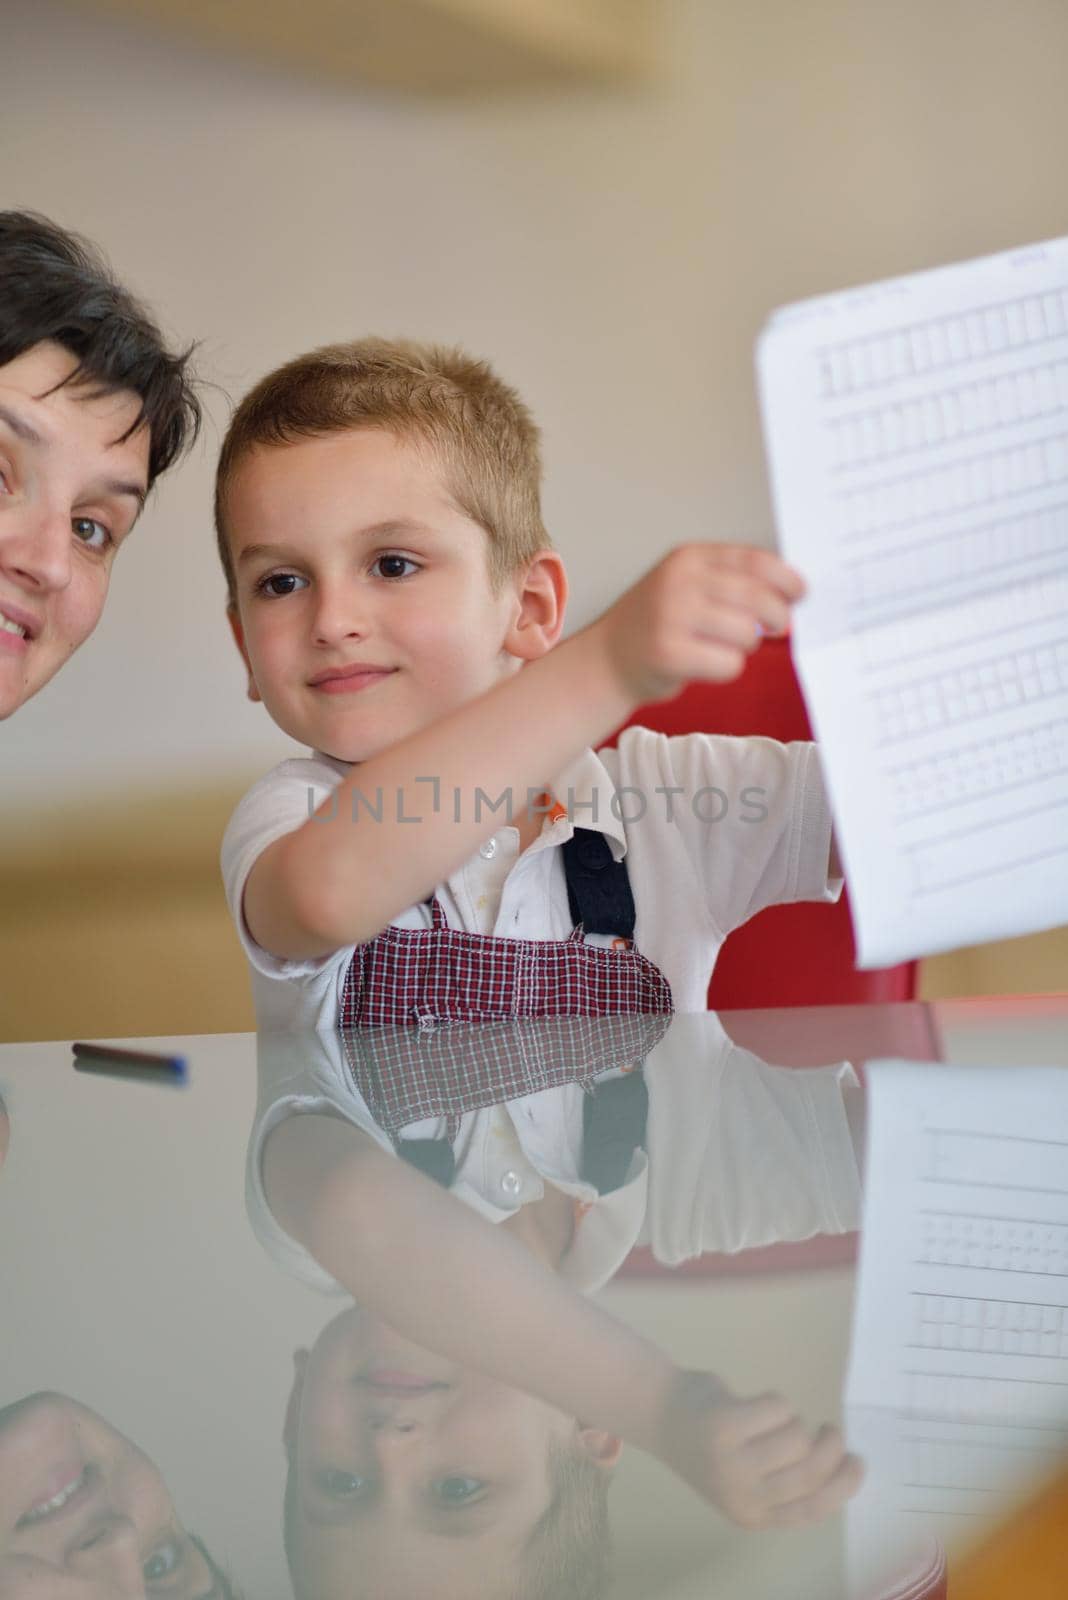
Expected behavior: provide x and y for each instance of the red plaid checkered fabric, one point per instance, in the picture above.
(407, 1074)
(441, 974)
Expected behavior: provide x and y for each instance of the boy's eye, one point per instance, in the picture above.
(91, 533)
(277, 584)
(392, 566)
(340, 1485)
(458, 1491)
(162, 1562)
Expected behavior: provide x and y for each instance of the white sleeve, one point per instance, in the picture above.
(752, 815)
(748, 1155)
(299, 1074)
(279, 804)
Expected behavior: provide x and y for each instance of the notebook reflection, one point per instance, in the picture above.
(455, 1429)
(85, 1514)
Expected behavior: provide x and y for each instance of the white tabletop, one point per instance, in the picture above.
(134, 1282)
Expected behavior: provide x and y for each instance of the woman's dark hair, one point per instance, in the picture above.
(56, 286)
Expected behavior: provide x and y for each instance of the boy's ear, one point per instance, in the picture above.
(541, 600)
(292, 1417)
(239, 639)
(603, 1449)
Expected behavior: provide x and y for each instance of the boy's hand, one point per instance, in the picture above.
(698, 614)
(754, 1459)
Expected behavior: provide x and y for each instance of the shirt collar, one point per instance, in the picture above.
(586, 791)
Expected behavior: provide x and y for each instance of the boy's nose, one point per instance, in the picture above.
(398, 1415)
(400, 1419)
(340, 615)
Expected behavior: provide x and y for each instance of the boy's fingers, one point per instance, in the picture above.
(725, 624)
(762, 564)
(813, 1465)
(746, 1420)
(752, 595)
(711, 662)
(771, 1454)
(838, 1488)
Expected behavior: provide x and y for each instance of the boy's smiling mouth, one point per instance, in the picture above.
(345, 680)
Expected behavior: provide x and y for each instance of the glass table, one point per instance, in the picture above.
(405, 1313)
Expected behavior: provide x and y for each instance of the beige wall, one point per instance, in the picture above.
(615, 253)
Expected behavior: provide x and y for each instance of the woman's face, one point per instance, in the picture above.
(84, 1514)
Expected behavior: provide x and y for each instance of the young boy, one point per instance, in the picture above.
(378, 516)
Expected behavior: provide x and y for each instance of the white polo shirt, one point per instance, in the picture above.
(713, 829)
(738, 1154)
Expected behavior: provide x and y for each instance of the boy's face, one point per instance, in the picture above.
(69, 495)
(364, 604)
(114, 1534)
(421, 1476)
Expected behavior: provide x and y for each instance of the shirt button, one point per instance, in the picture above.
(512, 1184)
(488, 850)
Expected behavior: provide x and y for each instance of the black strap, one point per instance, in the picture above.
(598, 889)
(433, 1157)
(615, 1113)
(614, 1117)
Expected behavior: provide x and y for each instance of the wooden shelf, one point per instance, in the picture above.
(429, 47)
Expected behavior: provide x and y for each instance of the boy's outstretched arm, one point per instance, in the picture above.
(697, 615)
(446, 1279)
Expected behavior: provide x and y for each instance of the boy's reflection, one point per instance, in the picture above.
(409, 1474)
(85, 1515)
(451, 1456)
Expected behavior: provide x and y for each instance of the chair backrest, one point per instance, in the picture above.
(788, 955)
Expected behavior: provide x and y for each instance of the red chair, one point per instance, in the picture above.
(800, 955)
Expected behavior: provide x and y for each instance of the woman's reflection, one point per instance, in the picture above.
(85, 1515)
(455, 1431)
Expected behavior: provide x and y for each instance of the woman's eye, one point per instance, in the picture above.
(458, 1491)
(392, 566)
(277, 584)
(340, 1485)
(91, 533)
(162, 1562)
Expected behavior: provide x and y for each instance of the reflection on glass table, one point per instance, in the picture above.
(474, 1201)
(505, 1368)
(84, 1513)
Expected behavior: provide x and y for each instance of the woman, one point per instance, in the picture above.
(93, 407)
(84, 1514)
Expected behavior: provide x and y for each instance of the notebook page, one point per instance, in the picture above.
(934, 1484)
(957, 1393)
(917, 438)
(962, 1301)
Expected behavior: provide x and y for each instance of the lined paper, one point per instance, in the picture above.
(957, 1394)
(917, 438)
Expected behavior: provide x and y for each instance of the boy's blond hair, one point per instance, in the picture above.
(478, 427)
